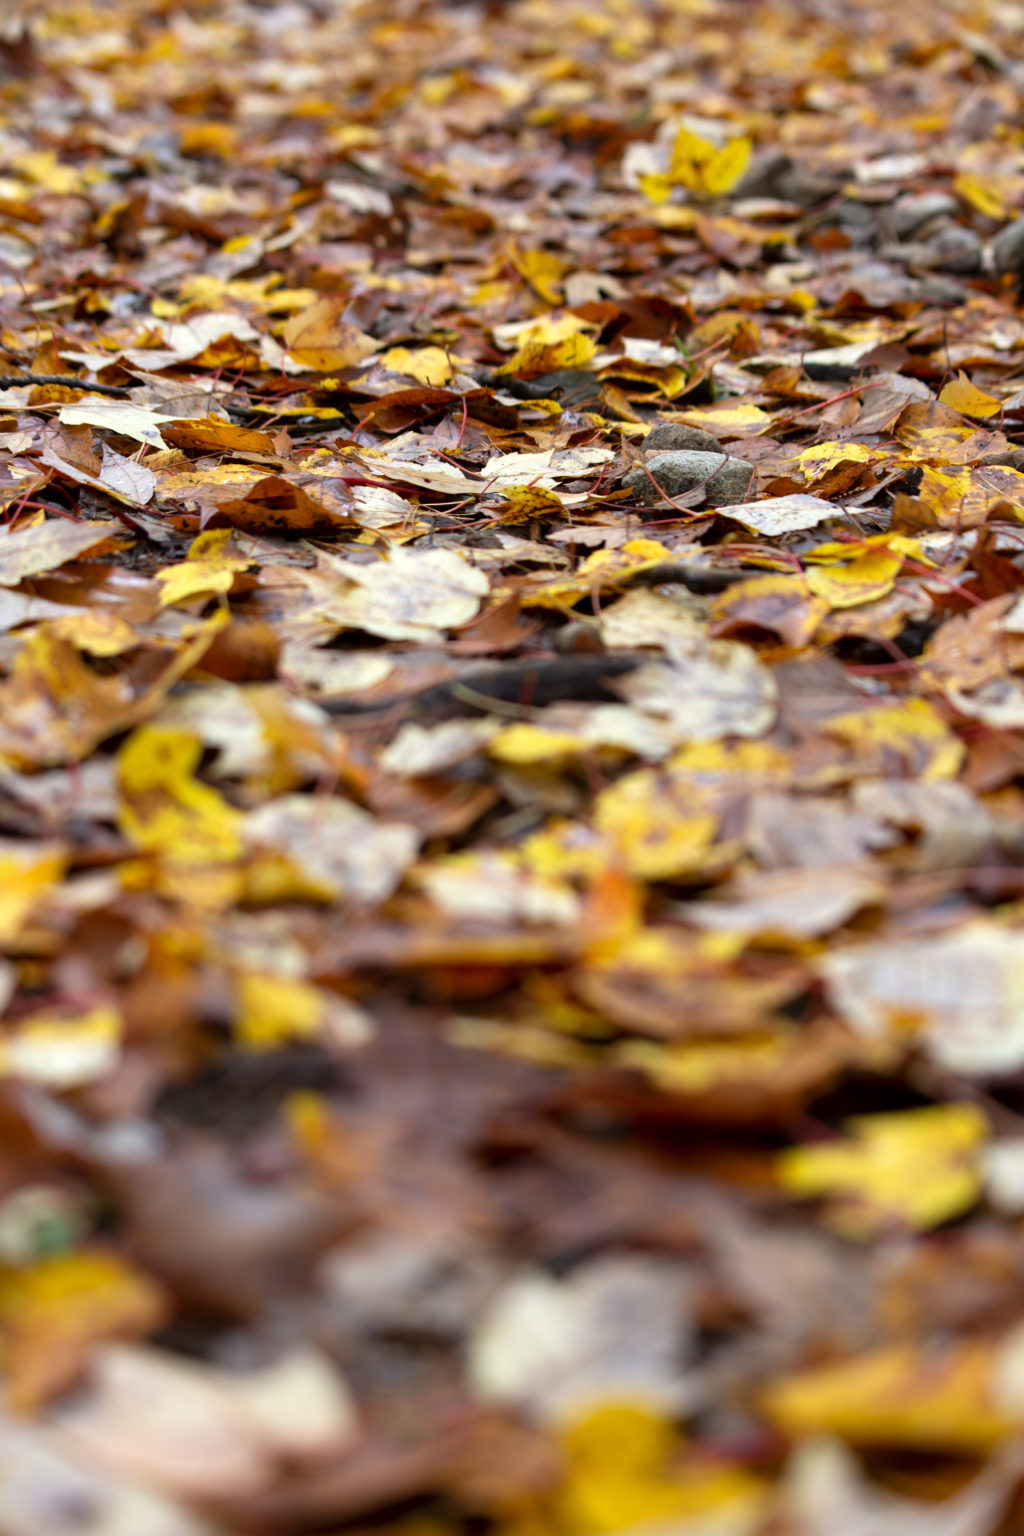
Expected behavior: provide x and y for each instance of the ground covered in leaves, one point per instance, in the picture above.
(512, 768)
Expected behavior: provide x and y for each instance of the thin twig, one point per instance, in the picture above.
(69, 380)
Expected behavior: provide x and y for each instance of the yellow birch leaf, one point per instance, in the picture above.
(25, 875)
(166, 810)
(525, 502)
(318, 339)
(524, 744)
(206, 138)
(60, 1050)
(963, 498)
(622, 1475)
(96, 632)
(656, 187)
(901, 1395)
(734, 418)
(652, 836)
(863, 580)
(699, 165)
(569, 850)
(918, 1166)
(690, 154)
(210, 566)
(54, 1312)
(599, 572)
(983, 194)
(726, 167)
(430, 366)
(275, 1009)
(908, 737)
(535, 355)
(543, 270)
(965, 397)
(817, 460)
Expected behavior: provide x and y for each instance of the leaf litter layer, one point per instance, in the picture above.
(511, 756)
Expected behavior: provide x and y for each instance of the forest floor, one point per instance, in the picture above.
(512, 768)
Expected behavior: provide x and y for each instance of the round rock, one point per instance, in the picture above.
(909, 213)
(1008, 248)
(956, 249)
(722, 479)
(668, 436)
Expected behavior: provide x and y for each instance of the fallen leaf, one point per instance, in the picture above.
(919, 1166)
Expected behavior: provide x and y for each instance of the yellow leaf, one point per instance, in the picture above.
(690, 153)
(863, 580)
(318, 339)
(963, 498)
(656, 187)
(525, 502)
(622, 1475)
(633, 1437)
(602, 571)
(26, 874)
(734, 418)
(97, 632)
(903, 1395)
(215, 436)
(817, 460)
(908, 737)
(535, 356)
(209, 138)
(42, 167)
(918, 1166)
(275, 1009)
(524, 744)
(165, 810)
(653, 837)
(963, 396)
(543, 270)
(697, 164)
(55, 1311)
(210, 566)
(983, 194)
(61, 1050)
(430, 366)
(726, 166)
(568, 850)
(709, 1065)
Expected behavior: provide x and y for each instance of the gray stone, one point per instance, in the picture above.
(1008, 248)
(668, 436)
(800, 185)
(909, 213)
(723, 480)
(956, 249)
(762, 176)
